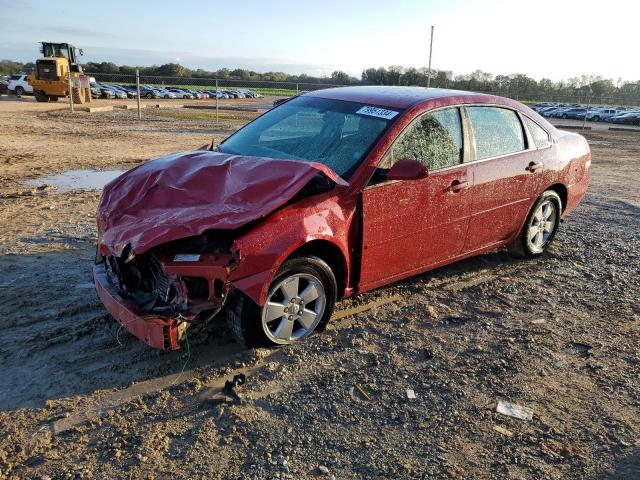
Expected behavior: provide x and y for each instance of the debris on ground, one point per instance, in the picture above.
(515, 411)
(503, 431)
(228, 393)
(411, 394)
(323, 470)
(361, 390)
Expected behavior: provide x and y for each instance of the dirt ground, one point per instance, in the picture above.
(81, 398)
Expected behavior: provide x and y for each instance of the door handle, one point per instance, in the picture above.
(533, 166)
(458, 185)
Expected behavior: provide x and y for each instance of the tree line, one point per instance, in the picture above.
(582, 88)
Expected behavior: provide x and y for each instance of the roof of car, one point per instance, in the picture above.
(389, 96)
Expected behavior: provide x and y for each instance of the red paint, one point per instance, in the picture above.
(383, 232)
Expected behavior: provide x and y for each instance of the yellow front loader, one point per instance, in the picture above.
(58, 74)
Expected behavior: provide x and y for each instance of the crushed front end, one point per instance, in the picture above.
(166, 232)
(158, 295)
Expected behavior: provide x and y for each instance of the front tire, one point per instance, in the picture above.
(77, 95)
(299, 302)
(19, 91)
(540, 227)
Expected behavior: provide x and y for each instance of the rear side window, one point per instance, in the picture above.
(15, 77)
(497, 131)
(434, 139)
(539, 134)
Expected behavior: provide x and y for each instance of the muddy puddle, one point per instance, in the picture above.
(74, 180)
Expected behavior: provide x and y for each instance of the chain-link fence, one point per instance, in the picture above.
(247, 98)
(261, 87)
(230, 102)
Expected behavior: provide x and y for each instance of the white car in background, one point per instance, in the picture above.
(18, 84)
(164, 93)
(601, 114)
(180, 93)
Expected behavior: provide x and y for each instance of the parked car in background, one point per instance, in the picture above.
(104, 91)
(194, 93)
(164, 93)
(127, 93)
(554, 112)
(95, 91)
(4, 85)
(272, 232)
(180, 93)
(115, 90)
(148, 92)
(544, 110)
(601, 114)
(575, 113)
(18, 84)
(250, 93)
(626, 118)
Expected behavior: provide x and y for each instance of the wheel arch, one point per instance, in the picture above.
(331, 254)
(257, 285)
(562, 192)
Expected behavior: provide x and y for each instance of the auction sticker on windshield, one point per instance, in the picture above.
(377, 112)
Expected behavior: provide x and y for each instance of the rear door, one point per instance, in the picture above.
(506, 171)
(410, 225)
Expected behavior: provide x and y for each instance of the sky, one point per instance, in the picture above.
(555, 39)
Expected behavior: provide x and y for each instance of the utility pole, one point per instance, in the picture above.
(430, 52)
(138, 93)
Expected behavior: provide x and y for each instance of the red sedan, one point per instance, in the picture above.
(330, 194)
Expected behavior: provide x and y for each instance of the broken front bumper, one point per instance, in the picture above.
(156, 331)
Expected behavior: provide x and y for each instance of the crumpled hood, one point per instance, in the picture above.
(184, 194)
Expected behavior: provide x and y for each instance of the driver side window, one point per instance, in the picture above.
(434, 139)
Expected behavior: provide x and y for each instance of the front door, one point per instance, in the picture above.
(410, 225)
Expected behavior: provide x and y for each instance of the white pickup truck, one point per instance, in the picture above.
(18, 84)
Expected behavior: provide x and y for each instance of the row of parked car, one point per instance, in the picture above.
(102, 90)
(575, 111)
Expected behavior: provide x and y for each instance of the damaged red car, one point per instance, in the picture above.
(332, 193)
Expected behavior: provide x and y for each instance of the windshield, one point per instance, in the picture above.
(336, 133)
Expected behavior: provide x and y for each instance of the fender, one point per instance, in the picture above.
(256, 286)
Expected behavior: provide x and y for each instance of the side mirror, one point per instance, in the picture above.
(407, 169)
(81, 51)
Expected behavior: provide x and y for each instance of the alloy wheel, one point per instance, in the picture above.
(294, 307)
(542, 225)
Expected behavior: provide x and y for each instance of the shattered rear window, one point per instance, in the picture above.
(335, 133)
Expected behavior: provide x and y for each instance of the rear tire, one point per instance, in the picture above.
(306, 311)
(19, 91)
(42, 97)
(540, 227)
